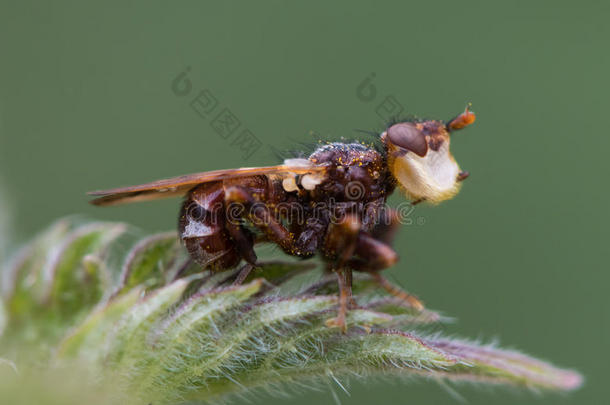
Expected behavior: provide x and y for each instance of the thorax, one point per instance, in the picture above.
(356, 173)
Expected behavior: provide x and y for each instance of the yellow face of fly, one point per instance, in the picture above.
(433, 177)
(420, 158)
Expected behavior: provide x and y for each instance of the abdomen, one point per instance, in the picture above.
(201, 226)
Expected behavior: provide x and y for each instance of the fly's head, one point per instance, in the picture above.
(420, 158)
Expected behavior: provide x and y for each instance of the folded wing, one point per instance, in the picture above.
(179, 186)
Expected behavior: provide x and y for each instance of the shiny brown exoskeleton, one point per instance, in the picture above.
(333, 203)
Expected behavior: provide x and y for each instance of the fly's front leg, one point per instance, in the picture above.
(374, 256)
(341, 238)
(345, 292)
(339, 247)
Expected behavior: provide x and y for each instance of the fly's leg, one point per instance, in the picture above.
(384, 256)
(242, 205)
(243, 239)
(397, 292)
(339, 246)
(374, 256)
(345, 292)
(341, 239)
(243, 273)
(183, 268)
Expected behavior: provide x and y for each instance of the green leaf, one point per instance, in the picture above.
(164, 332)
(94, 332)
(23, 277)
(148, 262)
(73, 281)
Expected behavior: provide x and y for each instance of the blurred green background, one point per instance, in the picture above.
(86, 103)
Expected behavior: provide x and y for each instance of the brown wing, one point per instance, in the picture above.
(178, 186)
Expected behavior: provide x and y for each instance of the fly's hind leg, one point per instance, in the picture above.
(374, 256)
(244, 242)
(242, 205)
(243, 273)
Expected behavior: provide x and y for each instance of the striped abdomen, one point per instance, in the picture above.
(202, 228)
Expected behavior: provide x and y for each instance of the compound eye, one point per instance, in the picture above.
(405, 135)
